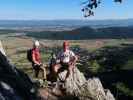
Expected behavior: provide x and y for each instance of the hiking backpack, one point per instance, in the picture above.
(29, 55)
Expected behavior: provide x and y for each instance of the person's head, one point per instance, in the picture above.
(65, 45)
(36, 44)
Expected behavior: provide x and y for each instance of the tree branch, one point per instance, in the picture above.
(90, 5)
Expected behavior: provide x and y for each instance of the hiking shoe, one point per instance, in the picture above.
(62, 81)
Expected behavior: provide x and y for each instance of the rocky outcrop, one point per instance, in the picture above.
(1, 49)
(90, 89)
(14, 84)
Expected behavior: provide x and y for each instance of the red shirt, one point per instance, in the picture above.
(36, 56)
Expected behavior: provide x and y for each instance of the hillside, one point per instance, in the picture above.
(98, 57)
(86, 33)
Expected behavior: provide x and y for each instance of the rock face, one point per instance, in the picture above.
(91, 89)
(1, 48)
(14, 84)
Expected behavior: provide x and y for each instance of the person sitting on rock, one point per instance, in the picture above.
(36, 61)
(66, 59)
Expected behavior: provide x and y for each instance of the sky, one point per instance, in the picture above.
(61, 9)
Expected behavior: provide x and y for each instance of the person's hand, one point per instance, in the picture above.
(57, 61)
(70, 63)
(41, 64)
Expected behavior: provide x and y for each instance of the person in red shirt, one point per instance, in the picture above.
(36, 60)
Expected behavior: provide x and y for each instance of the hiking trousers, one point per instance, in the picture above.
(37, 69)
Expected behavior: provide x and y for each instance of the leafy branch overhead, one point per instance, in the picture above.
(90, 5)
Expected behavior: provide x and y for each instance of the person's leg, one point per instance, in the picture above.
(36, 73)
(36, 69)
(44, 75)
(69, 71)
(56, 68)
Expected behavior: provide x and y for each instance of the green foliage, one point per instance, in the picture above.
(129, 64)
(114, 57)
(95, 67)
(82, 68)
(124, 89)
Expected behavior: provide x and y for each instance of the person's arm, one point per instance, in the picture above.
(73, 58)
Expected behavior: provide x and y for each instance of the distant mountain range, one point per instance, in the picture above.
(69, 29)
(62, 24)
(86, 33)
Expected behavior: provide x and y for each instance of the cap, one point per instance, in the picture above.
(36, 43)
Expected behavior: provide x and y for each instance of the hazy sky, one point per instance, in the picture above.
(62, 9)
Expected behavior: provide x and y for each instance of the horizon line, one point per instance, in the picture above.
(63, 19)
